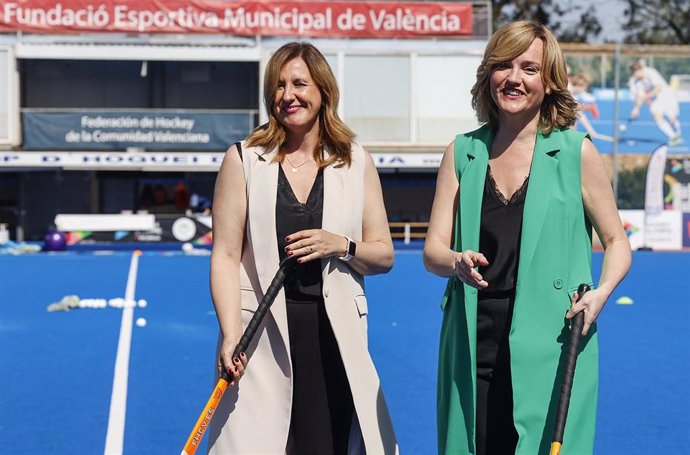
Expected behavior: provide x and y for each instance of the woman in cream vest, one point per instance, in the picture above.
(299, 186)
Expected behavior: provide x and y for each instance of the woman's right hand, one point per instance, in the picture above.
(466, 263)
(234, 366)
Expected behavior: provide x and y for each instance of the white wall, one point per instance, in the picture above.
(402, 93)
(9, 98)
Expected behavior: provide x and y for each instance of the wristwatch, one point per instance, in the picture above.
(351, 248)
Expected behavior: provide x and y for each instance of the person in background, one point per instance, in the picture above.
(578, 86)
(200, 204)
(160, 197)
(147, 197)
(181, 197)
(649, 87)
(300, 187)
(511, 228)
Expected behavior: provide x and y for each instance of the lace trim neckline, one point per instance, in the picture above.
(515, 196)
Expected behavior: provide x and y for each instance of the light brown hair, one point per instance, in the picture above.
(559, 108)
(582, 79)
(334, 135)
(636, 66)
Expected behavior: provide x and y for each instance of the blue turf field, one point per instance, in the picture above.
(57, 368)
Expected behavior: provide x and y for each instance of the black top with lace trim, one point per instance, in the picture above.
(499, 237)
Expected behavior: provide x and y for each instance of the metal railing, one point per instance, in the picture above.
(408, 230)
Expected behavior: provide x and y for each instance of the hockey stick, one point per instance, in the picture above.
(197, 434)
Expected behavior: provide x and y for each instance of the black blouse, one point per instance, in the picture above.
(304, 284)
(499, 235)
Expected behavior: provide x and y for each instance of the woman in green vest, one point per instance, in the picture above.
(511, 228)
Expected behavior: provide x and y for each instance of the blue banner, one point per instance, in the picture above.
(147, 129)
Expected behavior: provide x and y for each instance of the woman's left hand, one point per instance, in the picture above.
(592, 303)
(313, 244)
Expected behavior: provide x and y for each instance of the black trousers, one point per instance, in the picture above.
(495, 430)
(322, 406)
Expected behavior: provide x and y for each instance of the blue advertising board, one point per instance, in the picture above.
(147, 129)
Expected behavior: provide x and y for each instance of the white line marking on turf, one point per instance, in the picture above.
(114, 440)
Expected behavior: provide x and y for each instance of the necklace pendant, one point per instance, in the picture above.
(294, 169)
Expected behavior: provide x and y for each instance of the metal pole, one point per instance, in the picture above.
(21, 212)
(616, 127)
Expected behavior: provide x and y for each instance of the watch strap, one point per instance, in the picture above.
(351, 248)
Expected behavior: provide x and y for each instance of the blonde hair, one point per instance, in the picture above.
(559, 108)
(334, 135)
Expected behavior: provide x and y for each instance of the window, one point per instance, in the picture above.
(4, 96)
(443, 85)
(377, 97)
(332, 60)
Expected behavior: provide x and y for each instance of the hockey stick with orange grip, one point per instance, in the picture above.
(197, 434)
(568, 374)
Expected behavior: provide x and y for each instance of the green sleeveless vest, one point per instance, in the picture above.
(555, 257)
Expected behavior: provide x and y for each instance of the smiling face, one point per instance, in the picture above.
(297, 99)
(517, 86)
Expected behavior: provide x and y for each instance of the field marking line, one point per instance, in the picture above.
(114, 440)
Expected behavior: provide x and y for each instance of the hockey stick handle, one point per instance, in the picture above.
(274, 288)
(576, 323)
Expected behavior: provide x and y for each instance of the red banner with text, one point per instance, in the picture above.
(317, 19)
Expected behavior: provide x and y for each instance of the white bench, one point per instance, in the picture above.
(105, 222)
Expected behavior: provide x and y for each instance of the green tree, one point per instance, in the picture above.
(549, 13)
(587, 28)
(631, 187)
(657, 22)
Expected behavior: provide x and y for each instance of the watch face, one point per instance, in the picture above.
(351, 247)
